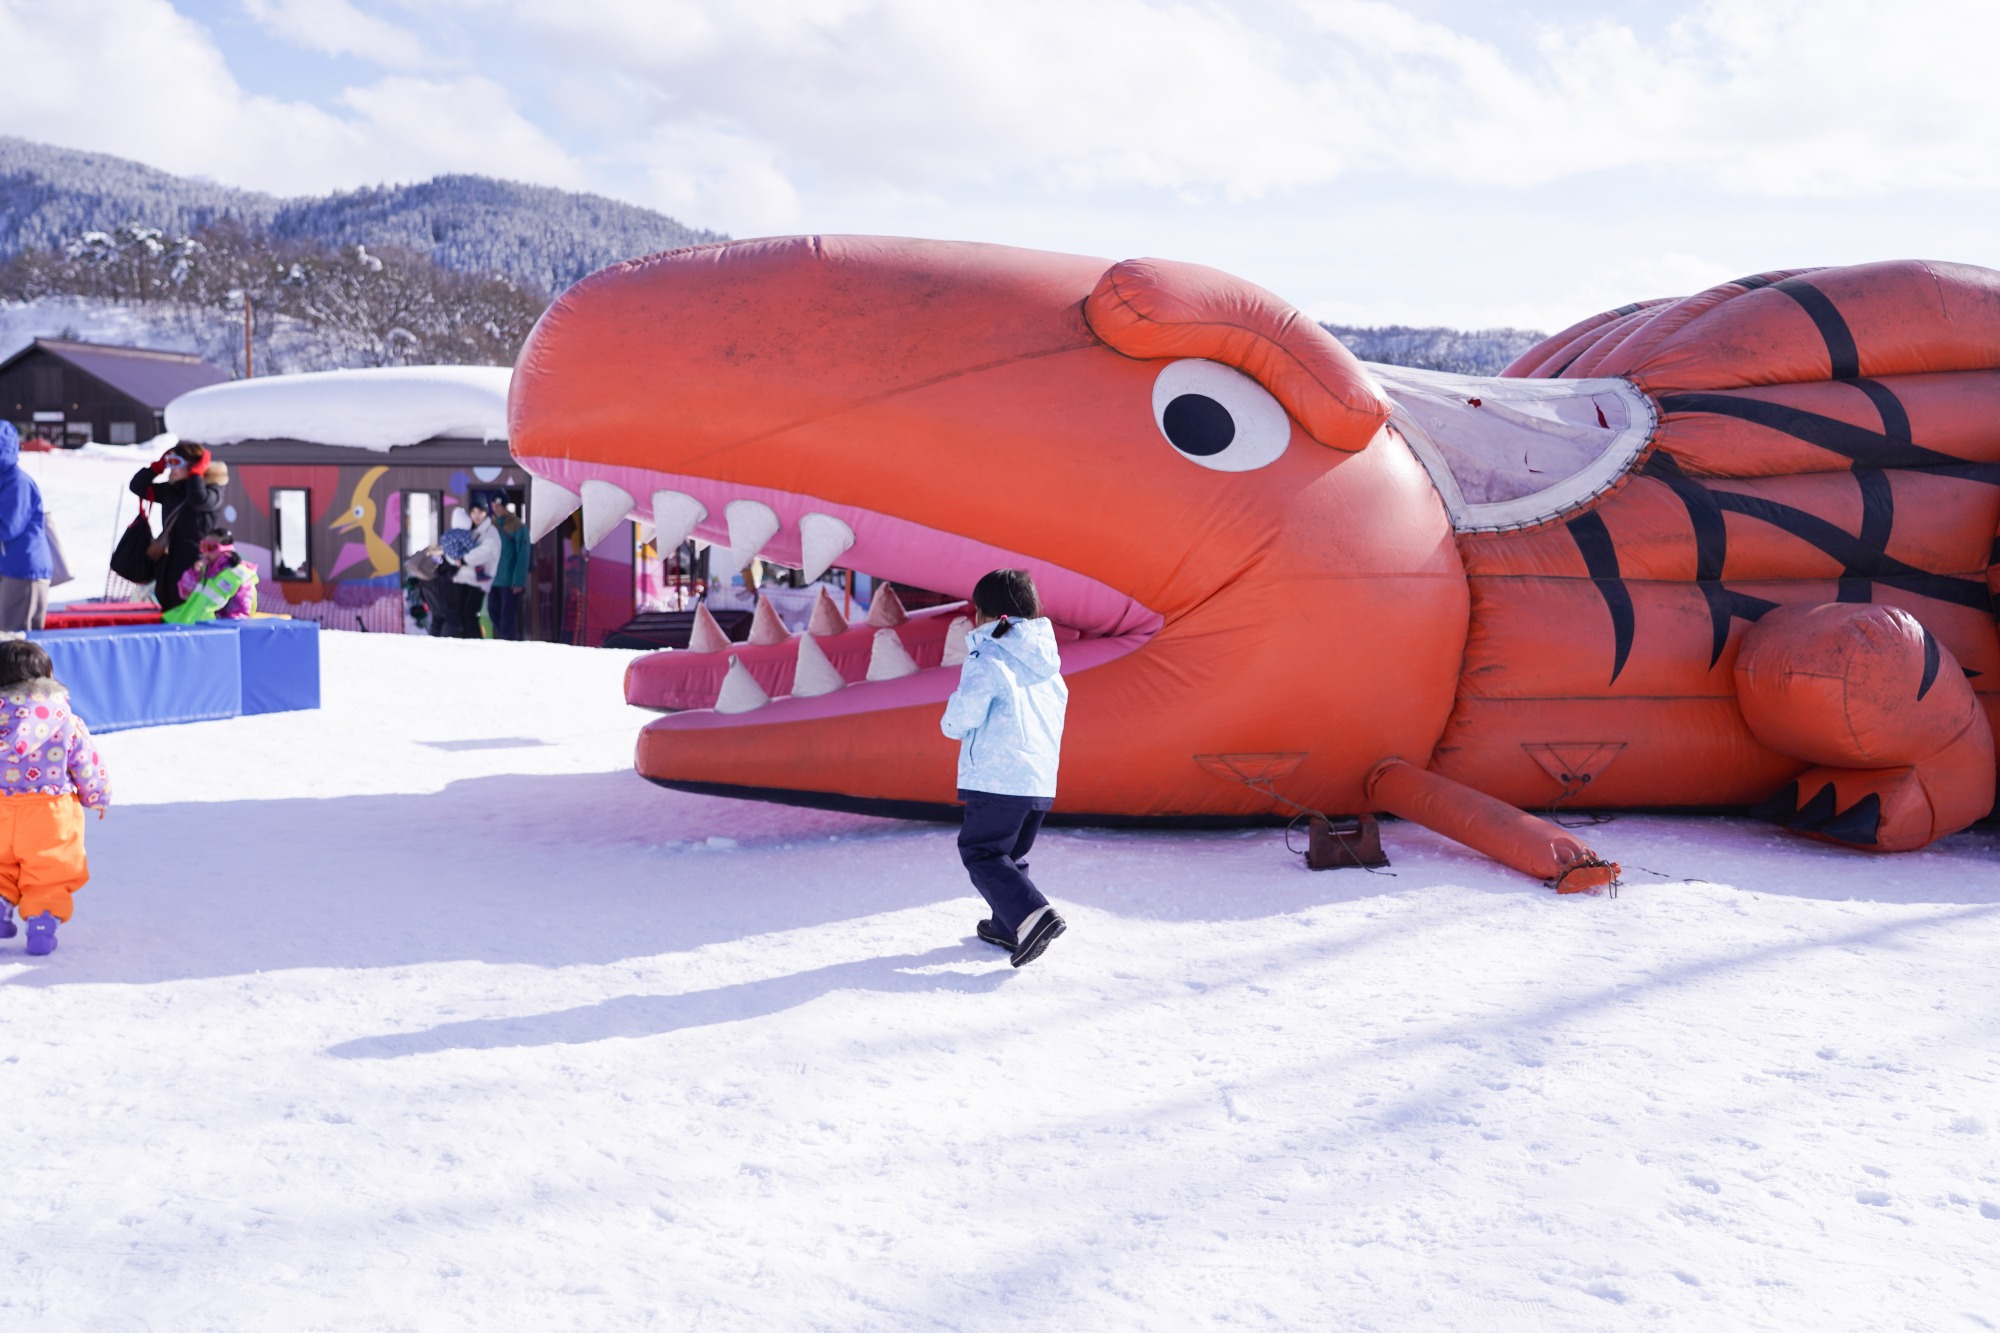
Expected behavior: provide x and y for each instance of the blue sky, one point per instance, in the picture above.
(1427, 161)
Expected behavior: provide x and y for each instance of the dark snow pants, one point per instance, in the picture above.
(994, 842)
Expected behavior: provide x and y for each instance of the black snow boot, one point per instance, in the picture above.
(990, 931)
(1036, 932)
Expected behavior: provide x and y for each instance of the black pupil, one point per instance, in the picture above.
(1198, 425)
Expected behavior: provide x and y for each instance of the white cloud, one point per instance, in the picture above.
(170, 101)
(729, 182)
(1368, 160)
(418, 127)
(1763, 97)
(336, 27)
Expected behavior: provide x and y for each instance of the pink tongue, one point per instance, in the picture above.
(676, 680)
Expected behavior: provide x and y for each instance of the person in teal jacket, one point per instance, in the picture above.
(510, 579)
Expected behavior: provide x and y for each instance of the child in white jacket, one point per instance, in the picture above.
(1007, 715)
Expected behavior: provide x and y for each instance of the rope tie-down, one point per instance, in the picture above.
(1332, 841)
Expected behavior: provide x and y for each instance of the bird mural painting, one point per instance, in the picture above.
(359, 514)
(1729, 550)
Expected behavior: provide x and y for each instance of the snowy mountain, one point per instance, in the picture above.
(51, 195)
(1480, 352)
(538, 237)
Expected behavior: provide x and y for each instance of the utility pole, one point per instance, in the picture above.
(249, 366)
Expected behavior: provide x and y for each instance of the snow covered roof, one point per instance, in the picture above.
(363, 409)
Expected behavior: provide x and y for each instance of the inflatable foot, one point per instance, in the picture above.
(1900, 750)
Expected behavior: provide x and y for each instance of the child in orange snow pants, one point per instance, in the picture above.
(50, 773)
(41, 853)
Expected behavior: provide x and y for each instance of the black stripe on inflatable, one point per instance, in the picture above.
(1895, 420)
(1931, 663)
(1711, 550)
(1857, 443)
(1600, 558)
(1711, 535)
(1859, 824)
(1840, 349)
(1878, 519)
(1863, 562)
(1753, 283)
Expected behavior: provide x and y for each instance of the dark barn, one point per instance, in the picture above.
(70, 393)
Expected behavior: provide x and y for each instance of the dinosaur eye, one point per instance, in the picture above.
(1218, 417)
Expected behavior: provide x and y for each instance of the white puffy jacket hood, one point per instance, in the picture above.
(1007, 713)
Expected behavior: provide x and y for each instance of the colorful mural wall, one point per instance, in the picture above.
(331, 540)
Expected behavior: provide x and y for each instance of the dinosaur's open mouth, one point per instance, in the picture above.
(860, 668)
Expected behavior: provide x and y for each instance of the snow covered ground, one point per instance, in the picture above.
(422, 1012)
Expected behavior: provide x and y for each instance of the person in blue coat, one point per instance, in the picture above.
(1007, 716)
(24, 541)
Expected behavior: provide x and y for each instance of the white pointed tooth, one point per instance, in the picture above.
(887, 608)
(954, 641)
(740, 691)
(823, 539)
(675, 515)
(751, 524)
(826, 617)
(548, 505)
(815, 674)
(605, 506)
(888, 659)
(707, 636)
(765, 627)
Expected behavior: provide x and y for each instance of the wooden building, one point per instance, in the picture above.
(328, 502)
(70, 393)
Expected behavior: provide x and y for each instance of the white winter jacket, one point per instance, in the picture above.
(483, 560)
(1007, 712)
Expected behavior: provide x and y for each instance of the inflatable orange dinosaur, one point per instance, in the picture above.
(1725, 551)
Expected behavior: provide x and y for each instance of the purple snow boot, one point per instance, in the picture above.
(42, 934)
(8, 930)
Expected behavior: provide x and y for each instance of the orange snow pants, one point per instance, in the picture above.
(41, 853)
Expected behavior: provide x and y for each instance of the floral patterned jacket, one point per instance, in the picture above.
(45, 749)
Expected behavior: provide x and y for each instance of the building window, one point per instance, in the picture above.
(420, 520)
(76, 434)
(291, 533)
(124, 432)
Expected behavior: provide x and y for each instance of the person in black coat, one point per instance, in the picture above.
(190, 509)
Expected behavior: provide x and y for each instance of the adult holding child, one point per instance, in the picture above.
(25, 566)
(190, 509)
(476, 568)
